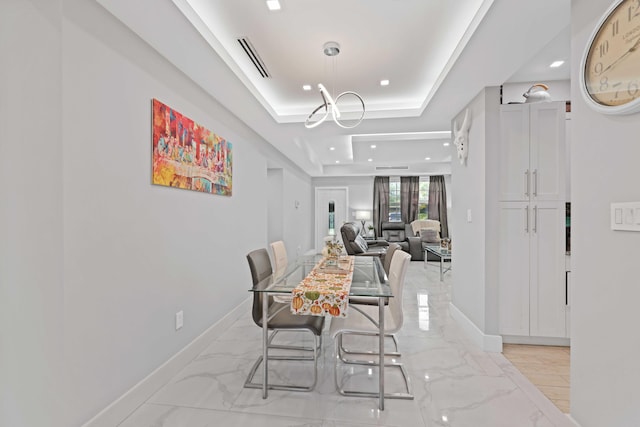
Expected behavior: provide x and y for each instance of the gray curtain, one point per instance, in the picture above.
(409, 197)
(438, 203)
(380, 202)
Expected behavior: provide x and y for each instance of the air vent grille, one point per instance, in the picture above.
(383, 168)
(254, 57)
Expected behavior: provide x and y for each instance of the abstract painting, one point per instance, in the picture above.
(187, 155)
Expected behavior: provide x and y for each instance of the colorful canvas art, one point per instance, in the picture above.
(187, 155)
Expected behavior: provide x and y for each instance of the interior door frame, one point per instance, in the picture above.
(319, 239)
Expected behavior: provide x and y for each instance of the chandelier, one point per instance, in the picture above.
(330, 105)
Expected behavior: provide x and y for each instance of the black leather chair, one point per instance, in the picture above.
(402, 234)
(394, 232)
(280, 318)
(355, 244)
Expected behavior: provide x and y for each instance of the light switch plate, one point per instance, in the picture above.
(625, 216)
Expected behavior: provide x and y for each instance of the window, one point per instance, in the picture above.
(395, 194)
(394, 199)
(423, 200)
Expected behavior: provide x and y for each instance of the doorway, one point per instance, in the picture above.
(331, 205)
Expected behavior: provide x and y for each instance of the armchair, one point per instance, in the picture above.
(394, 232)
(355, 244)
(402, 234)
(426, 232)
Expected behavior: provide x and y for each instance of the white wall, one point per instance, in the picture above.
(275, 223)
(605, 372)
(31, 215)
(474, 189)
(290, 209)
(298, 231)
(360, 191)
(96, 261)
(135, 254)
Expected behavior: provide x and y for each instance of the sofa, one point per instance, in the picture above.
(413, 237)
(355, 244)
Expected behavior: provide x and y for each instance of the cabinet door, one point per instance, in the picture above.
(513, 276)
(515, 175)
(547, 150)
(547, 289)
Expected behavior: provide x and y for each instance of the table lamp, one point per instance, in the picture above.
(363, 216)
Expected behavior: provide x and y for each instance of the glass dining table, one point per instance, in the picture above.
(369, 280)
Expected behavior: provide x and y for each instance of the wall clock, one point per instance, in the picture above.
(610, 68)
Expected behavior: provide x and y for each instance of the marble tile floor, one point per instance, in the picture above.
(547, 367)
(454, 382)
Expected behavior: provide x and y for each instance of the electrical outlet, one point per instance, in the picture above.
(179, 319)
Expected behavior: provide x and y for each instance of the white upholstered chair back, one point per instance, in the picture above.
(279, 257)
(420, 224)
(397, 273)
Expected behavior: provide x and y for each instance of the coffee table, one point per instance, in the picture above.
(442, 254)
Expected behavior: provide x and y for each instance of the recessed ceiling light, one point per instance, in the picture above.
(337, 161)
(273, 4)
(370, 160)
(332, 148)
(427, 158)
(373, 146)
(446, 144)
(556, 64)
(306, 87)
(384, 82)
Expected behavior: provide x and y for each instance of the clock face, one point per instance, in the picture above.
(612, 61)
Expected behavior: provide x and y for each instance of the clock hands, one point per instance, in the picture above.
(624, 55)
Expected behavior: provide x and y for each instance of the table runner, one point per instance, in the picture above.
(325, 290)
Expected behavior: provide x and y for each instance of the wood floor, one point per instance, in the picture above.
(547, 367)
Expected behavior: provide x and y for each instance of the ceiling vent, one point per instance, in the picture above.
(254, 57)
(383, 168)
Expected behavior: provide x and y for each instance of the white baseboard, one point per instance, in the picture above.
(490, 343)
(122, 407)
(572, 420)
(516, 339)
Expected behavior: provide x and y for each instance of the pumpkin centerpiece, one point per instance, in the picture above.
(332, 251)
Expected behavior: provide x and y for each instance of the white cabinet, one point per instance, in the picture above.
(532, 290)
(532, 163)
(514, 270)
(532, 297)
(547, 287)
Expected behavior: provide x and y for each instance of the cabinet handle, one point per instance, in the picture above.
(526, 183)
(526, 219)
(535, 219)
(535, 183)
(566, 288)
